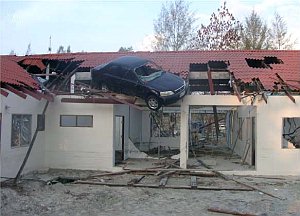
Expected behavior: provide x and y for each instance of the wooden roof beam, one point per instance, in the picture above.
(285, 87)
(259, 87)
(31, 93)
(4, 93)
(15, 91)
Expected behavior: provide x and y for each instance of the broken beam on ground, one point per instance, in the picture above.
(225, 211)
(157, 186)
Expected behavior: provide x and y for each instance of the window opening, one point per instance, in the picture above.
(76, 121)
(165, 125)
(291, 133)
(21, 130)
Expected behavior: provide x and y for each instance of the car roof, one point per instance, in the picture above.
(129, 62)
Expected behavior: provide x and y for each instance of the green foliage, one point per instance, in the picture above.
(174, 26)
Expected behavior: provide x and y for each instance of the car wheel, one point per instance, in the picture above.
(104, 87)
(153, 102)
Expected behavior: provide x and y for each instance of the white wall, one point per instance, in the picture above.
(79, 147)
(12, 158)
(271, 158)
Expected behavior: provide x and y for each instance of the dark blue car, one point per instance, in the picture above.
(139, 77)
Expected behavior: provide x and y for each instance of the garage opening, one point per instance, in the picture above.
(222, 138)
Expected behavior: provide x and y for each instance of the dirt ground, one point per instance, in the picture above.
(34, 196)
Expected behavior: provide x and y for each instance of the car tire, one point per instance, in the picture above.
(153, 102)
(104, 87)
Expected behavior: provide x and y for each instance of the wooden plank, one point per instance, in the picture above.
(163, 181)
(186, 187)
(31, 93)
(225, 211)
(210, 82)
(4, 93)
(89, 100)
(255, 188)
(135, 180)
(285, 87)
(193, 182)
(167, 173)
(15, 91)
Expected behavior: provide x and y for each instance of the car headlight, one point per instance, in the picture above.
(166, 93)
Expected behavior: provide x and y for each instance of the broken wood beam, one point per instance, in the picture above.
(167, 173)
(4, 93)
(255, 188)
(135, 180)
(285, 87)
(225, 211)
(193, 182)
(186, 187)
(163, 181)
(108, 174)
(15, 91)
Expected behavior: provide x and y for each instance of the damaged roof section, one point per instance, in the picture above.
(231, 71)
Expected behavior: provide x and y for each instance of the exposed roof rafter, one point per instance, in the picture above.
(15, 91)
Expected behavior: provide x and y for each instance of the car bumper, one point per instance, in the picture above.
(174, 98)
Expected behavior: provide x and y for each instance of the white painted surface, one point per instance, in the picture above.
(79, 147)
(12, 158)
(271, 158)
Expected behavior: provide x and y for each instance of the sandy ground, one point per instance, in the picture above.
(35, 197)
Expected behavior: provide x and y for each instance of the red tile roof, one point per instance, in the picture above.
(180, 61)
(12, 73)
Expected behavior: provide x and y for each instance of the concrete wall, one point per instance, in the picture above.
(79, 147)
(135, 125)
(12, 157)
(245, 115)
(271, 157)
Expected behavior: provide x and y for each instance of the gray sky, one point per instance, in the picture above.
(97, 26)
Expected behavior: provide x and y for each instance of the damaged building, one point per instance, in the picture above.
(241, 114)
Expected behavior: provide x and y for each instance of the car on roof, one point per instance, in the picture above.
(135, 76)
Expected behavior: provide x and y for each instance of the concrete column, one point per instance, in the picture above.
(184, 134)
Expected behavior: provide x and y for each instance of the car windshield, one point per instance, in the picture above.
(148, 72)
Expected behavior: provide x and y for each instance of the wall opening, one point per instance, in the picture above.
(291, 133)
(223, 137)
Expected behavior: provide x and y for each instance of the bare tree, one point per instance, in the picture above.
(255, 34)
(174, 26)
(279, 35)
(61, 49)
(28, 51)
(222, 33)
(12, 52)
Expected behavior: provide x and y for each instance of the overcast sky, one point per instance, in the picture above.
(96, 25)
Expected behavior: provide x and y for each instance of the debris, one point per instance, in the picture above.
(163, 182)
(224, 211)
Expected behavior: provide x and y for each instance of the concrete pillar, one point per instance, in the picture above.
(184, 134)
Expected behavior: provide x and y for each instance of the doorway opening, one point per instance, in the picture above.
(119, 139)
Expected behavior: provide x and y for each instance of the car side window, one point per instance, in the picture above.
(129, 75)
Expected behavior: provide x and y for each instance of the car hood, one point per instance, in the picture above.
(166, 82)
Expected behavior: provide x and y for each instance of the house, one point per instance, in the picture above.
(246, 101)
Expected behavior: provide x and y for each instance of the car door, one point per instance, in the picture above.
(113, 78)
(132, 85)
